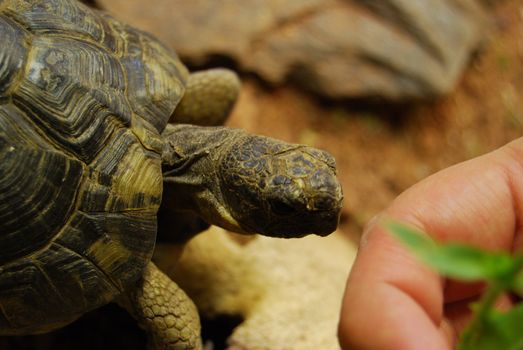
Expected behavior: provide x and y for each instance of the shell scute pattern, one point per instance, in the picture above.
(13, 55)
(75, 93)
(40, 279)
(80, 118)
(69, 19)
(33, 182)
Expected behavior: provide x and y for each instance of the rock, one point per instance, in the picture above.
(394, 49)
(287, 292)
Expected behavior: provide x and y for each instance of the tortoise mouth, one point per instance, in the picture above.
(317, 222)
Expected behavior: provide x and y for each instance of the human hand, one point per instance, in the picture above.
(392, 300)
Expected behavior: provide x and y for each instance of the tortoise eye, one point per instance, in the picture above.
(282, 208)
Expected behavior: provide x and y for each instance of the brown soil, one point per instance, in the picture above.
(380, 149)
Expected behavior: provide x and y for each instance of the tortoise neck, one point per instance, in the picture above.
(192, 185)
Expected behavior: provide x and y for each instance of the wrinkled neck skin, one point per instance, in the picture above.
(191, 161)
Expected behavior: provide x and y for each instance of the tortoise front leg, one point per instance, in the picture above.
(208, 99)
(163, 309)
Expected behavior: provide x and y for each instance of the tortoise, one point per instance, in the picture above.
(101, 128)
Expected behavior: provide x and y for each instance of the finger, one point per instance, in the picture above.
(393, 301)
(379, 311)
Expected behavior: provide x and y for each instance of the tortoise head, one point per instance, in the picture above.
(280, 189)
(248, 183)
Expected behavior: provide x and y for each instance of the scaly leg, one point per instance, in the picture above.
(165, 312)
(208, 98)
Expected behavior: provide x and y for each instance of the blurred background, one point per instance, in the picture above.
(395, 89)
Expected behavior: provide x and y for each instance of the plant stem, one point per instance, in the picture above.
(485, 305)
(481, 315)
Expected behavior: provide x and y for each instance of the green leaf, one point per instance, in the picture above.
(468, 263)
(499, 330)
(510, 324)
(453, 260)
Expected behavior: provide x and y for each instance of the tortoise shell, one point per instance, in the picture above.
(83, 99)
